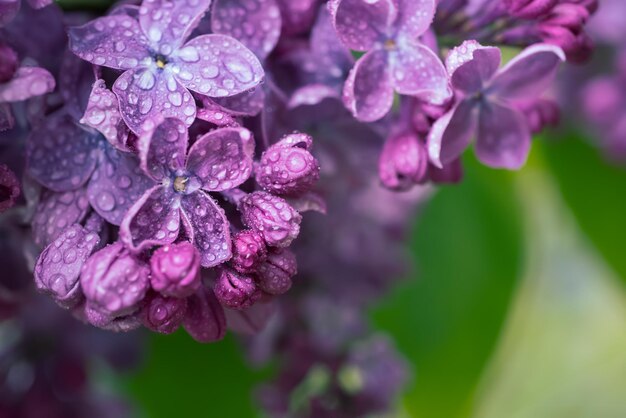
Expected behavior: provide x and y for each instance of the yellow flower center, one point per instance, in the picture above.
(180, 184)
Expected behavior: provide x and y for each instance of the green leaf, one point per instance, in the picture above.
(447, 318)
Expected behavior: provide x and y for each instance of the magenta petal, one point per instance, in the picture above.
(256, 23)
(162, 151)
(153, 220)
(62, 155)
(415, 16)
(111, 41)
(27, 82)
(211, 229)
(218, 66)
(418, 71)
(103, 114)
(168, 23)
(360, 24)
(368, 92)
(471, 66)
(116, 184)
(452, 133)
(145, 95)
(222, 159)
(528, 74)
(57, 211)
(503, 139)
(204, 320)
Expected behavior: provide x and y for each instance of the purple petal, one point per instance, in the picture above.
(58, 268)
(57, 211)
(213, 113)
(330, 57)
(255, 23)
(418, 71)
(205, 320)
(61, 155)
(110, 41)
(368, 92)
(248, 103)
(116, 184)
(452, 133)
(222, 159)
(145, 95)
(360, 24)
(503, 139)
(168, 23)
(211, 229)
(153, 220)
(103, 114)
(529, 74)
(218, 66)
(8, 10)
(471, 66)
(163, 150)
(27, 82)
(312, 94)
(415, 16)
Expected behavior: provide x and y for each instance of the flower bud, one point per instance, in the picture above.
(249, 250)
(8, 62)
(58, 267)
(163, 314)
(176, 270)
(529, 9)
(114, 281)
(235, 290)
(288, 167)
(9, 188)
(204, 319)
(107, 322)
(403, 162)
(272, 217)
(274, 275)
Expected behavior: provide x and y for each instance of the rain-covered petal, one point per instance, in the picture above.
(368, 92)
(103, 114)
(168, 23)
(153, 220)
(61, 154)
(27, 82)
(116, 184)
(255, 23)
(57, 211)
(503, 138)
(8, 10)
(528, 74)
(210, 228)
(471, 66)
(57, 271)
(163, 150)
(111, 41)
(222, 159)
(452, 133)
(213, 113)
(145, 95)
(415, 16)
(204, 320)
(418, 71)
(249, 250)
(360, 24)
(218, 66)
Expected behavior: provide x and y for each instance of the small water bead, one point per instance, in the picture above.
(106, 201)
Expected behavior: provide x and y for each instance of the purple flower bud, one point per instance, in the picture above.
(272, 217)
(288, 167)
(248, 251)
(58, 268)
(176, 270)
(114, 281)
(107, 322)
(274, 276)
(236, 291)
(9, 188)
(529, 9)
(205, 320)
(403, 162)
(162, 314)
(8, 62)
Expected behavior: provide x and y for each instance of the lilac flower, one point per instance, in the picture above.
(403, 161)
(218, 161)
(235, 290)
(272, 217)
(395, 60)
(487, 103)
(9, 188)
(274, 275)
(159, 67)
(163, 314)
(176, 270)
(249, 250)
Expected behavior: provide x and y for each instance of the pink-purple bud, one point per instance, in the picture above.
(288, 167)
(176, 270)
(249, 250)
(564, 26)
(163, 314)
(204, 320)
(58, 267)
(235, 290)
(274, 275)
(114, 281)
(272, 217)
(529, 9)
(8, 62)
(9, 188)
(403, 162)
